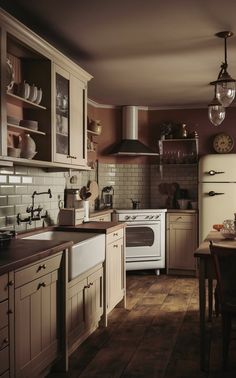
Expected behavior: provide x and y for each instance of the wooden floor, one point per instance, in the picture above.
(157, 335)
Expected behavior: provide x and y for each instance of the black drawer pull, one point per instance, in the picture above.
(41, 284)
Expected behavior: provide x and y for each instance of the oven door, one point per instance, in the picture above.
(143, 241)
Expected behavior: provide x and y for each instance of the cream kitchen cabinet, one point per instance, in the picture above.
(70, 118)
(181, 242)
(37, 340)
(101, 218)
(85, 305)
(114, 271)
(6, 325)
(61, 132)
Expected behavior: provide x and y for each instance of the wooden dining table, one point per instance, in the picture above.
(206, 275)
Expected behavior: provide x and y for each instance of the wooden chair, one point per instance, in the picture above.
(225, 269)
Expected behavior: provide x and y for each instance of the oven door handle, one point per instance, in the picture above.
(142, 223)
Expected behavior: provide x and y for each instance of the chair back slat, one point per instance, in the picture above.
(225, 268)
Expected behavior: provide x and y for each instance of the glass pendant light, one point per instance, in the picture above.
(216, 112)
(225, 84)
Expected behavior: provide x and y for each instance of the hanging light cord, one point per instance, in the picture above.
(224, 65)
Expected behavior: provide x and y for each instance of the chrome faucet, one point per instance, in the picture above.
(35, 213)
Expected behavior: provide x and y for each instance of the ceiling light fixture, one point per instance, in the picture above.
(224, 87)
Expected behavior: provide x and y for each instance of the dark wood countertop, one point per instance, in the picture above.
(21, 252)
(99, 227)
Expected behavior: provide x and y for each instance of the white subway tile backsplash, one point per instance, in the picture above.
(3, 179)
(20, 189)
(3, 200)
(6, 210)
(14, 179)
(20, 170)
(6, 170)
(27, 180)
(7, 189)
(14, 199)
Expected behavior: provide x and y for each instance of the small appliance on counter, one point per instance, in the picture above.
(107, 197)
(73, 198)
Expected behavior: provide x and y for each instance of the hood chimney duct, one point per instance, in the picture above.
(130, 145)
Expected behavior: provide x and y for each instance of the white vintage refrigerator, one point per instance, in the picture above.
(216, 191)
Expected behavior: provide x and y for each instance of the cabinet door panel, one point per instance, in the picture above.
(76, 312)
(35, 304)
(115, 266)
(4, 360)
(182, 242)
(94, 299)
(3, 287)
(77, 121)
(3, 314)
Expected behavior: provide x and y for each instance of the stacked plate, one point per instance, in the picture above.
(30, 124)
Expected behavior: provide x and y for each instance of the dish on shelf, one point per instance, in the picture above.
(30, 124)
(23, 90)
(13, 152)
(39, 96)
(13, 120)
(33, 93)
(28, 154)
(10, 75)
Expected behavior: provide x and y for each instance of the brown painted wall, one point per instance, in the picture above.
(149, 129)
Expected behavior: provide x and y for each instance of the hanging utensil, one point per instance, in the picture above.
(83, 192)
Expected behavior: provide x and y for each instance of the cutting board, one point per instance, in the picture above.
(94, 190)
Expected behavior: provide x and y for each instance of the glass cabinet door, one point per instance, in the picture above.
(70, 118)
(62, 116)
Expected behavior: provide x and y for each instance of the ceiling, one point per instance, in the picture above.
(158, 53)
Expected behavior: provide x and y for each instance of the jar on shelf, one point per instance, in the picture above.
(183, 131)
(27, 146)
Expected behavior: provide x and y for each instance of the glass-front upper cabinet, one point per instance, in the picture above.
(62, 114)
(70, 118)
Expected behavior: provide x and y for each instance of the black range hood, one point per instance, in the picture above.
(130, 145)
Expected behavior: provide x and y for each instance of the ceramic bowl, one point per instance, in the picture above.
(193, 205)
(218, 226)
(30, 124)
(228, 234)
(13, 152)
(28, 155)
(183, 204)
(95, 126)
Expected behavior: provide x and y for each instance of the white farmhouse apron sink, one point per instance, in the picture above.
(88, 249)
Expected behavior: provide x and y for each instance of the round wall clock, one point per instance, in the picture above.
(223, 143)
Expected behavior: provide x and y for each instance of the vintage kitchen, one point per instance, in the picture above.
(92, 198)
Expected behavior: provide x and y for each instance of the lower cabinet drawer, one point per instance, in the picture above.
(35, 271)
(4, 360)
(115, 235)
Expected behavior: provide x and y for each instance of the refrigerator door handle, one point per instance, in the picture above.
(212, 172)
(212, 193)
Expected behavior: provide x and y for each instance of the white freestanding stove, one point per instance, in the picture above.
(145, 238)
